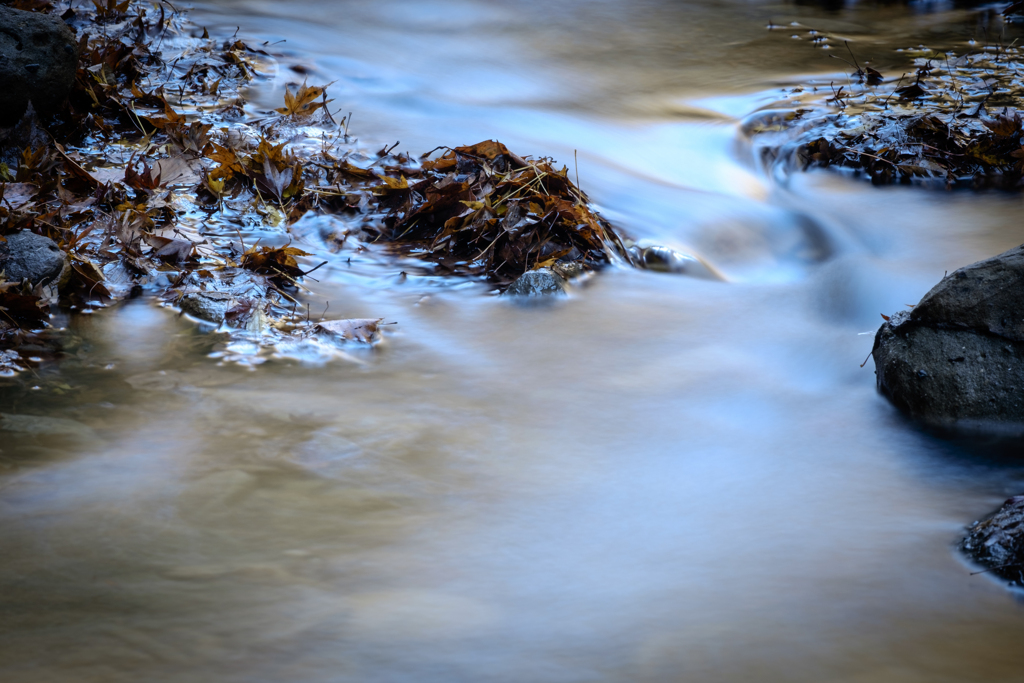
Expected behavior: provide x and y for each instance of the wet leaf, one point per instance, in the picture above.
(1003, 125)
(277, 262)
(365, 330)
(20, 309)
(228, 160)
(170, 118)
(302, 102)
(345, 168)
(169, 249)
(911, 91)
(146, 179)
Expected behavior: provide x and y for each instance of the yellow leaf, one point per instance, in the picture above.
(396, 183)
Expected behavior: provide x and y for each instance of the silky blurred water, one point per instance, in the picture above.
(661, 478)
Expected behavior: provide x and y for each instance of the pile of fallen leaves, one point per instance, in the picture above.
(482, 210)
(955, 121)
(158, 173)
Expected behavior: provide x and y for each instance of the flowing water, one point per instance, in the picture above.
(661, 478)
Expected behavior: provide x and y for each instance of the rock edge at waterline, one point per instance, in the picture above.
(997, 542)
(956, 360)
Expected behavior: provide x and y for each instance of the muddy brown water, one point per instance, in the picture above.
(661, 478)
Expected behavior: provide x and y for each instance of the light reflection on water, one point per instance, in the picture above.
(660, 479)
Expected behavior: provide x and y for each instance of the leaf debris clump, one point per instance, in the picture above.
(482, 210)
(955, 121)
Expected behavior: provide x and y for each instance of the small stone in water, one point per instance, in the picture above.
(540, 282)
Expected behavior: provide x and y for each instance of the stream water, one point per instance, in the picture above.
(661, 478)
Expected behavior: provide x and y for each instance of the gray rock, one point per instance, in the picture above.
(956, 358)
(984, 296)
(28, 256)
(998, 542)
(540, 282)
(210, 306)
(569, 269)
(38, 61)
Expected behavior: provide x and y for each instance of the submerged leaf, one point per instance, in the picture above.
(366, 330)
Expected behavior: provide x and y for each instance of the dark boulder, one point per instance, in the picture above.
(957, 358)
(997, 543)
(38, 61)
(28, 256)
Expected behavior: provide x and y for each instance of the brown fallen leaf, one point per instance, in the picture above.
(346, 168)
(302, 102)
(168, 248)
(17, 194)
(146, 179)
(912, 91)
(365, 330)
(170, 118)
(228, 162)
(26, 311)
(277, 262)
(175, 170)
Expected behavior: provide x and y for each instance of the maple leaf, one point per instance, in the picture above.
(171, 117)
(274, 181)
(303, 101)
(192, 138)
(213, 186)
(282, 184)
(145, 179)
(277, 262)
(1004, 126)
(227, 158)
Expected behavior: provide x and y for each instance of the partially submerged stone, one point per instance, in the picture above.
(997, 542)
(28, 256)
(957, 358)
(667, 260)
(38, 61)
(209, 306)
(540, 282)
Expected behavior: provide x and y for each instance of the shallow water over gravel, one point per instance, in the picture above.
(661, 478)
